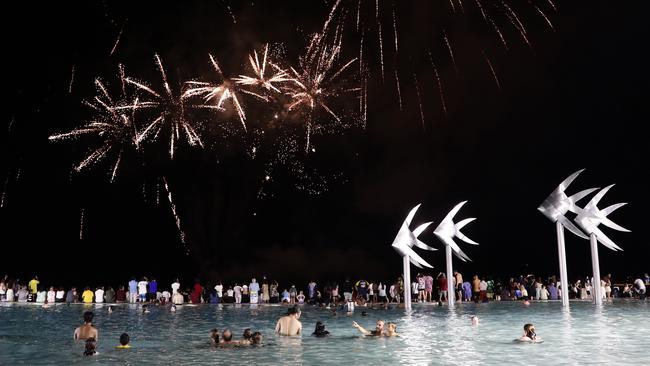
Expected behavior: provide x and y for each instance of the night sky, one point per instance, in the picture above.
(576, 99)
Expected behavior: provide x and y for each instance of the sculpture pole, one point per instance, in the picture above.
(595, 285)
(451, 291)
(403, 244)
(563, 272)
(407, 282)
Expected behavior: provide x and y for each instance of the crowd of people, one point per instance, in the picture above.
(424, 288)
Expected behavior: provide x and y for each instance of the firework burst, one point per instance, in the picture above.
(316, 82)
(169, 111)
(112, 123)
(216, 95)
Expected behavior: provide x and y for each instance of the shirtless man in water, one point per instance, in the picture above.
(289, 325)
(379, 329)
(87, 330)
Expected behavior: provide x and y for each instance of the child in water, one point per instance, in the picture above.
(124, 341)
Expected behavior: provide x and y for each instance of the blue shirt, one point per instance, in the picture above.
(133, 287)
(153, 287)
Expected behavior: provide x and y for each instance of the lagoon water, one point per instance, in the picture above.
(617, 332)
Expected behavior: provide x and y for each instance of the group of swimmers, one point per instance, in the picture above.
(225, 338)
(287, 325)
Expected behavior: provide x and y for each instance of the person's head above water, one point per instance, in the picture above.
(529, 330)
(247, 334)
(379, 327)
(391, 327)
(227, 335)
(256, 338)
(214, 335)
(295, 311)
(320, 330)
(124, 339)
(88, 317)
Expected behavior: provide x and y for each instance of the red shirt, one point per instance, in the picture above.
(195, 296)
(442, 284)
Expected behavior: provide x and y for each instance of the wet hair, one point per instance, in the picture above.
(90, 347)
(214, 335)
(528, 328)
(88, 316)
(364, 313)
(247, 333)
(293, 310)
(256, 338)
(320, 330)
(124, 339)
(227, 335)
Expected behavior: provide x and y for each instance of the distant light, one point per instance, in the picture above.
(276, 116)
(267, 177)
(313, 149)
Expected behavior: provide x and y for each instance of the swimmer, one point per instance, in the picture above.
(474, 319)
(124, 341)
(289, 325)
(145, 309)
(379, 329)
(530, 335)
(391, 330)
(256, 338)
(364, 313)
(110, 309)
(320, 330)
(227, 337)
(87, 330)
(526, 302)
(173, 308)
(247, 337)
(91, 346)
(214, 336)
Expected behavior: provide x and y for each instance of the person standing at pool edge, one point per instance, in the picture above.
(133, 290)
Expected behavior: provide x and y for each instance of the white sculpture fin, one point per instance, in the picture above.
(571, 227)
(462, 236)
(420, 229)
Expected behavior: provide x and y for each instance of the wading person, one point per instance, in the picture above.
(87, 330)
(289, 325)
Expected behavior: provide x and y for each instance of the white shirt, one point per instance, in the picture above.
(60, 294)
(40, 296)
(142, 287)
(10, 295)
(175, 287)
(166, 295)
(219, 289)
(230, 292)
(51, 295)
(382, 290)
(482, 286)
(99, 295)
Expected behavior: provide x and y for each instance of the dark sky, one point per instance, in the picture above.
(575, 99)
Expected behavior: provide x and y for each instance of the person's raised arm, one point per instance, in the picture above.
(76, 334)
(277, 326)
(361, 329)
